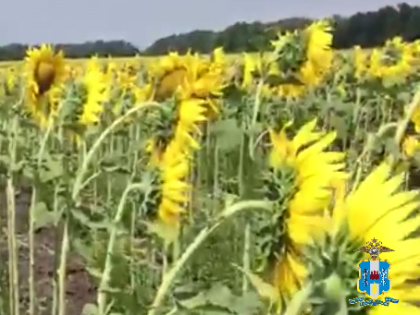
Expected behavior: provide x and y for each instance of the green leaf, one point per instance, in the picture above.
(194, 302)
(264, 289)
(220, 295)
(228, 134)
(43, 217)
(51, 169)
(298, 302)
(339, 124)
(219, 299)
(168, 233)
(248, 304)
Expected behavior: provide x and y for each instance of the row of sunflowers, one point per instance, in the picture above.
(136, 165)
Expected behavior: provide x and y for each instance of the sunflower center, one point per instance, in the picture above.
(169, 82)
(44, 76)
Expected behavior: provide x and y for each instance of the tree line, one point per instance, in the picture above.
(368, 29)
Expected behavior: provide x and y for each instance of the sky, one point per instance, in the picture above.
(141, 22)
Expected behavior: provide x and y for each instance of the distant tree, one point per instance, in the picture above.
(100, 48)
(367, 29)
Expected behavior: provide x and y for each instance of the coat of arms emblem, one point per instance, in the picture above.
(373, 273)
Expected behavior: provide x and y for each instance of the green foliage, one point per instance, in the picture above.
(369, 29)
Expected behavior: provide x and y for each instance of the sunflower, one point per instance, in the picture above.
(319, 55)
(410, 146)
(360, 62)
(315, 174)
(143, 93)
(44, 71)
(167, 73)
(395, 59)
(127, 78)
(197, 85)
(290, 91)
(189, 76)
(174, 169)
(378, 208)
(173, 160)
(97, 90)
(184, 131)
(11, 79)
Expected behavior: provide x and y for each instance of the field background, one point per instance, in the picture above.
(70, 178)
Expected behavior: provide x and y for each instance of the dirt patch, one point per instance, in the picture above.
(80, 289)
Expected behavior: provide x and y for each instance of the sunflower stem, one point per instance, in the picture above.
(90, 155)
(106, 275)
(247, 236)
(31, 232)
(11, 220)
(299, 301)
(257, 105)
(62, 268)
(246, 260)
(173, 272)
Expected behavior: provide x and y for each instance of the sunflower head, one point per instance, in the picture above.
(44, 68)
(89, 94)
(319, 55)
(96, 89)
(167, 73)
(175, 189)
(163, 124)
(377, 208)
(44, 72)
(410, 146)
(283, 150)
(309, 175)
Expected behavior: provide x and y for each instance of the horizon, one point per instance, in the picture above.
(120, 33)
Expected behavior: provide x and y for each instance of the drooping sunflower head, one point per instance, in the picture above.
(44, 69)
(174, 186)
(12, 79)
(376, 209)
(360, 62)
(319, 55)
(90, 92)
(168, 73)
(162, 124)
(304, 177)
(204, 78)
(97, 93)
(218, 60)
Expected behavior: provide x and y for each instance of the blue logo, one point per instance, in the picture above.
(373, 278)
(374, 275)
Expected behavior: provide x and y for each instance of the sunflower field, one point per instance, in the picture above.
(194, 184)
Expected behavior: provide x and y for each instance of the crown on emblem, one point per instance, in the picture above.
(373, 243)
(374, 248)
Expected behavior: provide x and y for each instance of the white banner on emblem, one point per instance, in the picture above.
(374, 287)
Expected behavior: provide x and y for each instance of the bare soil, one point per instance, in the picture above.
(80, 289)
